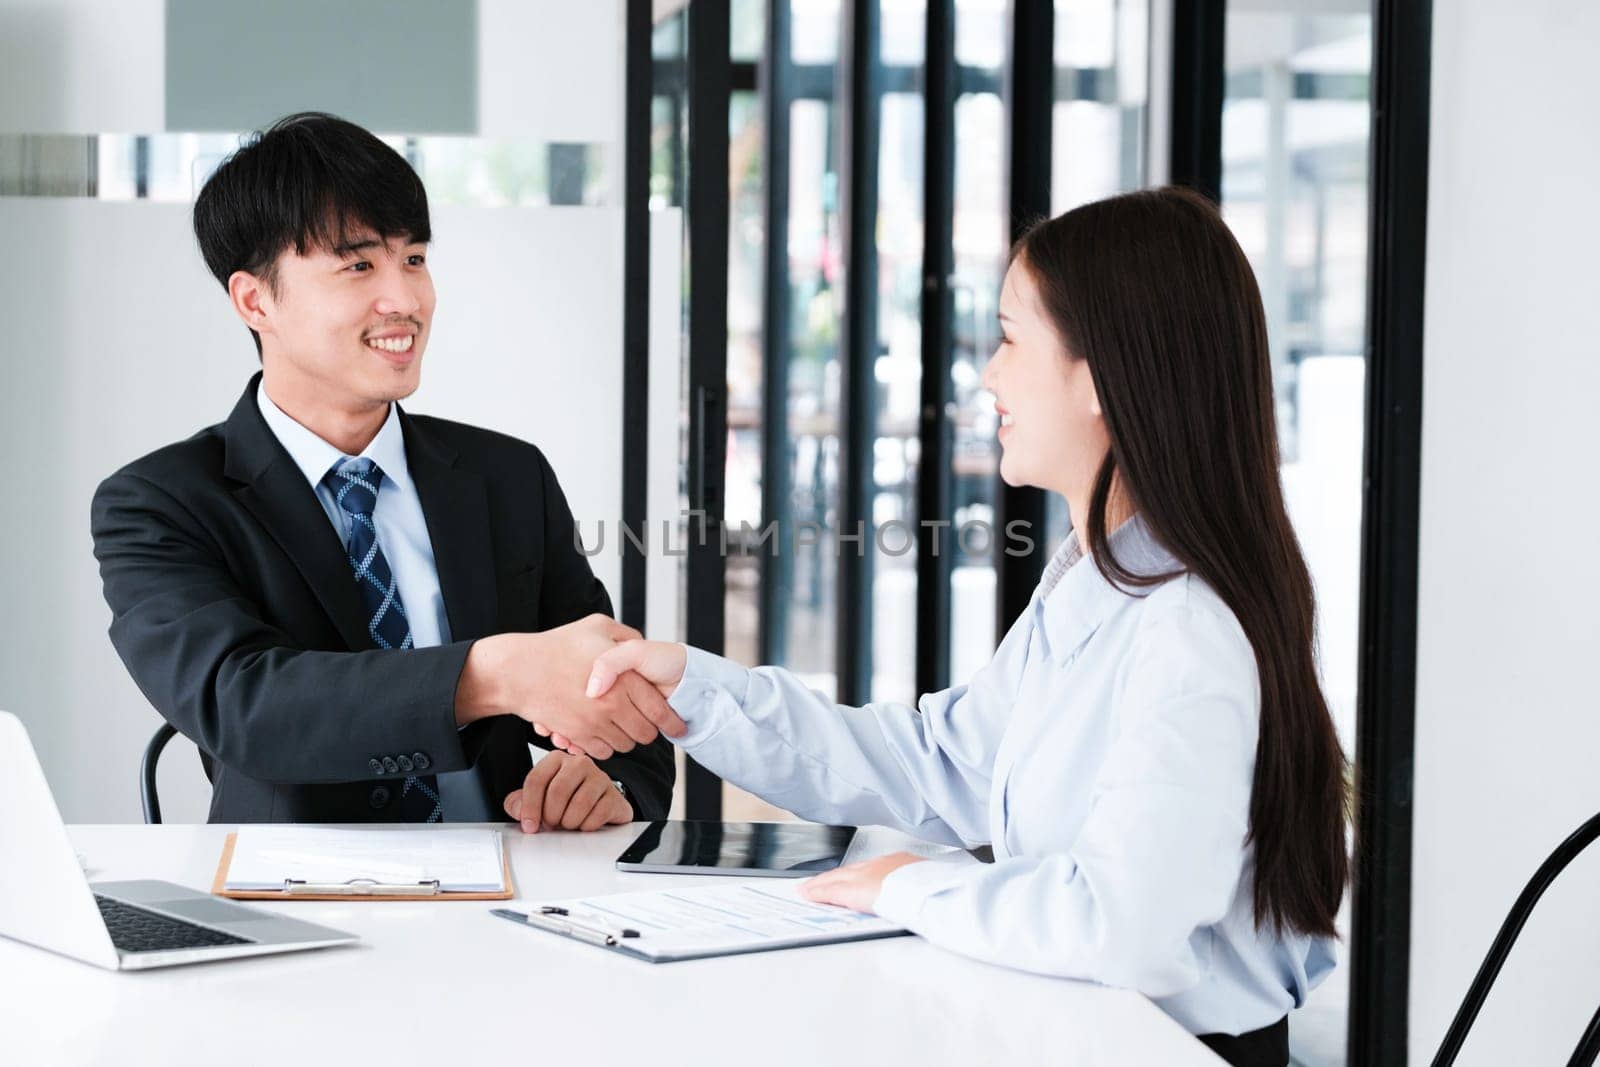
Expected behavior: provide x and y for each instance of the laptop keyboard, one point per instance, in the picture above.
(136, 929)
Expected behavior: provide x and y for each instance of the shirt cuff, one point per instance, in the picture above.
(710, 695)
(907, 889)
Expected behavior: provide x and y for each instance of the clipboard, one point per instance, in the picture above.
(623, 942)
(357, 889)
(673, 925)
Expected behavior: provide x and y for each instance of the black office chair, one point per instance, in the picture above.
(148, 800)
(1588, 1045)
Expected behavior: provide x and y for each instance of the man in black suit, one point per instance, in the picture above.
(356, 613)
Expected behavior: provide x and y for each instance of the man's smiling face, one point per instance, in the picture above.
(350, 323)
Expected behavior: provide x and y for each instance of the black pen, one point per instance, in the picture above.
(548, 919)
(552, 909)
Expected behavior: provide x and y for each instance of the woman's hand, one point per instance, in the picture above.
(660, 663)
(856, 886)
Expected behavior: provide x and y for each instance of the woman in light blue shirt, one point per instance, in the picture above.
(1149, 752)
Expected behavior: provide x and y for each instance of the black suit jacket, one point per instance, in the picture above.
(234, 610)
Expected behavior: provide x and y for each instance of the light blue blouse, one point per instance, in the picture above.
(1106, 753)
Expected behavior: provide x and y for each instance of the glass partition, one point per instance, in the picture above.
(1295, 134)
(1098, 124)
(980, 245)
(897, 368)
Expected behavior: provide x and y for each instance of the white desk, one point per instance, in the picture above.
(445, 984)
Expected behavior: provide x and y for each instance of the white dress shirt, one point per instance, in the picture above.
(402, 529)
(403, 536)
(1106, 753)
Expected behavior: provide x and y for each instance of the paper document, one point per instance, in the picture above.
(719, 920)
(463, 861)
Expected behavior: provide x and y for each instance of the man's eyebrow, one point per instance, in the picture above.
(348, 248)
(363, 243)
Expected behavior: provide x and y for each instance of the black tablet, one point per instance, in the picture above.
(750, 849)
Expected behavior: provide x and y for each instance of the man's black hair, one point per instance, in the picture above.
(310, 180)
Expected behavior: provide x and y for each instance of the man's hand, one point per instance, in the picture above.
(568, 793)
(857, 885)
(660, 663)
(543, 677)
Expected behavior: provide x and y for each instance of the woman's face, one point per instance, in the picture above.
(1052, 434)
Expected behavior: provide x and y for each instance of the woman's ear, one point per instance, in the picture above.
(1094, 403)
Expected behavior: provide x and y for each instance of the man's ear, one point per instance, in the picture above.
(251, 300)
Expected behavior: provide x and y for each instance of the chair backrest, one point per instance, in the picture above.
(1589, 1044)
(148, 799)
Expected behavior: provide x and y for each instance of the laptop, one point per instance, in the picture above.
(46, 901)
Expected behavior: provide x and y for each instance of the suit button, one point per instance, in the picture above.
(405, 763)
(379, 797)
(375, 766)
(390, 765)
(421, 761)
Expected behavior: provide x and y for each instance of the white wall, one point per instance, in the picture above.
(548, 70)
(82, 66)
(1508, 716)
(114, 341)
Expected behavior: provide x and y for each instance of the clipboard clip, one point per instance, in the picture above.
(361, 887)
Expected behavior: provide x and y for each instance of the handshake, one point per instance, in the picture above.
(594, 687)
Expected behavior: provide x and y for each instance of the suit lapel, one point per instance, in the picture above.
(455, 503)
(275, 491)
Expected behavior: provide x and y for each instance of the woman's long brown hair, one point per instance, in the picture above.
(1152, 289)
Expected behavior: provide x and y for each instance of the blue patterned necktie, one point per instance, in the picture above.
(354, 483)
